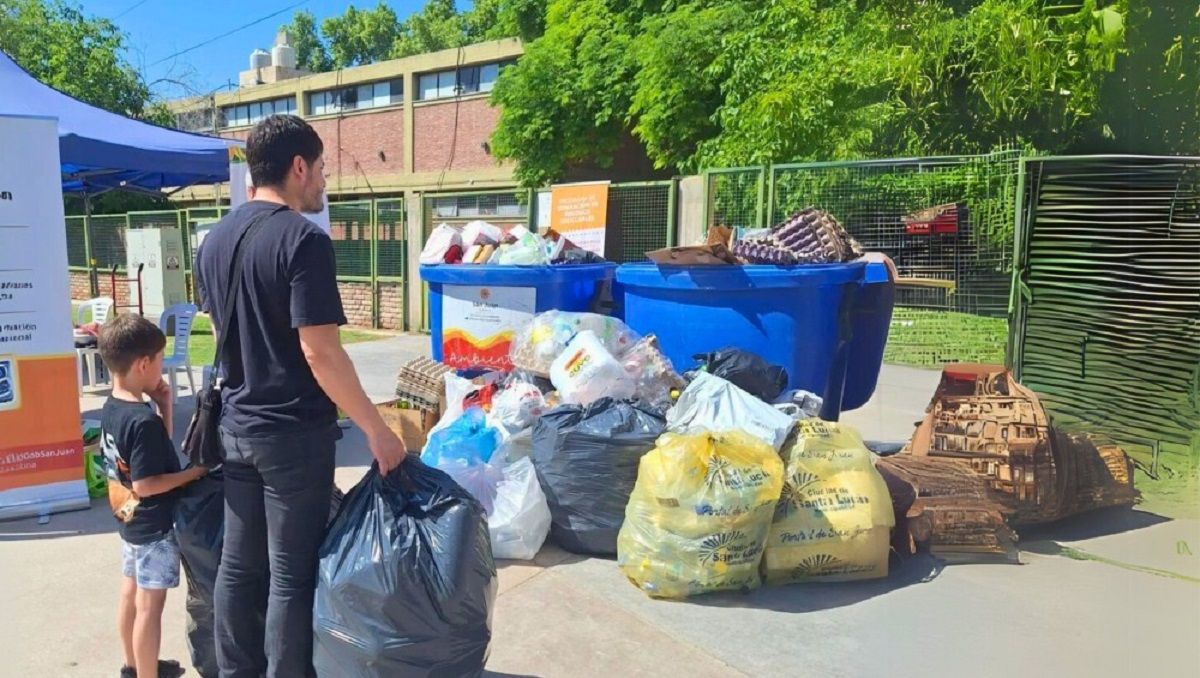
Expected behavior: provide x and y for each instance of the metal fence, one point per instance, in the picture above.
(953, 292)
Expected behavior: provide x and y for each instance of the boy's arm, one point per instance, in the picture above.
(148, 461)
(152, 485)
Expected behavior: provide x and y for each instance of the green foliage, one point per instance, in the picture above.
(80, 55)
(361, 36)
(311, 52)
(436, 27)
(708, 83)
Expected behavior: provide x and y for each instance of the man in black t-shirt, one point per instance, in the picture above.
(286, 374)
(144, 476)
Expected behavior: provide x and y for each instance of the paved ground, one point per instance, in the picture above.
(1132, 609)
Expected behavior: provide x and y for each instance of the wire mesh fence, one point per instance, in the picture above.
(735, 197)
(391, 252)
(644, 215)
(350, 228)
(76, 243)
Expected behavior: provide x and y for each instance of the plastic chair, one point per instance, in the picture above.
(95, 310)
(183, 315)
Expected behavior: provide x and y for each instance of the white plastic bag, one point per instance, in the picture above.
(480, 479)
(515, 448)
(481, 233)
(515, 408)
(586, 372)
(528, 250)
(440, 241)
(710, 403)
(457, 388)
(520, 519)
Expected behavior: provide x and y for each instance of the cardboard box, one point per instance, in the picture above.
(410, 424)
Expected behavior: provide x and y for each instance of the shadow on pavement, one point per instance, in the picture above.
(919, 569)
(1100, 523)
(95, 520)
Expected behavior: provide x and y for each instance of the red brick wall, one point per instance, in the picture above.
(433, 131)
(391, 306)
(356, 300)
(353, 145)
(81, 288)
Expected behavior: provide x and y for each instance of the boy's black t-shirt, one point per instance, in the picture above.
(289, 281)
(136, 446)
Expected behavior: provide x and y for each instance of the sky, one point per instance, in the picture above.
(157, 29)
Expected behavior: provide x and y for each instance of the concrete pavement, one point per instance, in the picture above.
(1111, 594)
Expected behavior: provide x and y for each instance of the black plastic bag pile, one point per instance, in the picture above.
(406, 582)
(587, 462)
(200, 531)
(747, 371)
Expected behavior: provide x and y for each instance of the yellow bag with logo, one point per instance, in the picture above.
(699, 514)
(834, 518)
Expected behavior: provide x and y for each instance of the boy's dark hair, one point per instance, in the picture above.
(127, 338)
(275, 142)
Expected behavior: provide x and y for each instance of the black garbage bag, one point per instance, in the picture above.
(406, 582)
(200, 531)
(587, 462)
(747, 371)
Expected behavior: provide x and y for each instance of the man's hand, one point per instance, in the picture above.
(197, 472)
(387, 448)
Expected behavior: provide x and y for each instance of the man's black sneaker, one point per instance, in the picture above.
(167, 668)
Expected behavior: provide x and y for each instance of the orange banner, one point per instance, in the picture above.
(41, 434)
(580, 212)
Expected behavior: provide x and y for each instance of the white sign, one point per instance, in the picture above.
(479, 324)
(41, 452)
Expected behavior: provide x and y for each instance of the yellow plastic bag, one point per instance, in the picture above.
(834, 518)
(699, 514)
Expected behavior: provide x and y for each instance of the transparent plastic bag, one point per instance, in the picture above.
(712, 404)
(470, 439)
(834, 518)
(653, 374)
(517, 406)
(587, 372)
(520, 520)
(699, 514)
(545, 337)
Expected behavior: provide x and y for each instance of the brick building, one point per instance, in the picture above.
(421, 123)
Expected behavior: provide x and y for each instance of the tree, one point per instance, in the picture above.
(726, 82)
(360, 37)
(436, 27)
(311, 52)
(74, 53)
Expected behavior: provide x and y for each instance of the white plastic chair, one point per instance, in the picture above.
(95, 310)
(183, 316)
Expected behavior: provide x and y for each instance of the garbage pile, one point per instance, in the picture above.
(809, 236)
(480, 242)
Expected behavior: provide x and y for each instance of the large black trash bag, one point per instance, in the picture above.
(406, 581)
(747, 371)
(200, 531)
(587, 462)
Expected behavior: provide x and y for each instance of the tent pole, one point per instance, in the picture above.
(93, 283)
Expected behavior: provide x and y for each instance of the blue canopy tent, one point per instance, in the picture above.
(102, 151)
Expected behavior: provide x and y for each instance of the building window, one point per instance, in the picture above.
(465, 80)
(356, 97)
(476, 206)
(242, 115)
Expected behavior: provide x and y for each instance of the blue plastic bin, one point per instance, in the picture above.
(515, 292)
(826, 324)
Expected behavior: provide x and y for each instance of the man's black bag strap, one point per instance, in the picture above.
(228, 316)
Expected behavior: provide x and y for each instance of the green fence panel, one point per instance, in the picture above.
(735, 197)
(350, 229)
(391, 247)
(108, 241)
(76, 244)
(1107, 320)
(642, 215)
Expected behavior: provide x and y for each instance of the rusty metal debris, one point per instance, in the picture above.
(987, 458)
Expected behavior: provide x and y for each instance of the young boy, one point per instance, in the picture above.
(141, 459)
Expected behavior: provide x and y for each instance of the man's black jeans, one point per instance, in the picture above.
(277, 493)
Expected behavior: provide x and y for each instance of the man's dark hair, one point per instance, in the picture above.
(128, 338)
(275, 142)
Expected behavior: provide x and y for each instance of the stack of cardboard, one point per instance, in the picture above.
(986, 457)
(420, 400)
